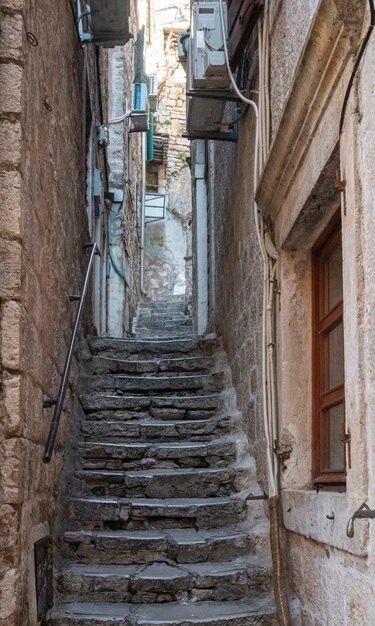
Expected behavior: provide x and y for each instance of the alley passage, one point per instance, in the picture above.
(158, 529)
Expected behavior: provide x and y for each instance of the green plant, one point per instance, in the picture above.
(183, 154)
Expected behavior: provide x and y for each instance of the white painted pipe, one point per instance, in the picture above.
(201, 236)
(142, 218)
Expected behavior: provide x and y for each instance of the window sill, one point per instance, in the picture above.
(305, 513)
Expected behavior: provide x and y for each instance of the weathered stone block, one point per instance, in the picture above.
(12, 401)
(10, 470)
(9, 596)
(10, 153)
(32, 347)
(11, 82)
(33, 423)
(10, 181)
(8, 535)
(11, 5)
(10, 262)
(11, 37)
(10, 335)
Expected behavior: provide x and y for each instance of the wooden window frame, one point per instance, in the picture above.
(322, 400)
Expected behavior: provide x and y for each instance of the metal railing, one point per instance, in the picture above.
(58, 402)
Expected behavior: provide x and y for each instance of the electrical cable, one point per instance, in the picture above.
(356, 65)
(117, 269)
(74, 13)
(209, 46)
(118, 120)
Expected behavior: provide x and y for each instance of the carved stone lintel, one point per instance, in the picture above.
(334, 38)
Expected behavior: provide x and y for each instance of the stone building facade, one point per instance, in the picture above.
(168, 242)
(125, 181)
(53, 99)
(318, 173)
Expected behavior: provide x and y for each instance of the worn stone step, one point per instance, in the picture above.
(123, 348)
(163, 582)
(113, 427)
(99, 401)
(160, 304)
(162, 307)
(143, 454)
(162, 513)
(154, 328)
(163, 316)
(176, 545)
(163, 321)
(145, 410)
(169, 483)
(187, 364)
(150, 333)
(146, 334)
(194, 383)
(259, 611)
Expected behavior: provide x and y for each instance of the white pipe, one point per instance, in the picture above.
(201, 236)
(142, 224)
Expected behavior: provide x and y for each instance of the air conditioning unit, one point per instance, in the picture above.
(206, 50)
(109, 21)
(139, 114)
(153, 93)
(207, 77)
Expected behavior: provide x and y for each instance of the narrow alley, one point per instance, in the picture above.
(187, 330)
(163, 485)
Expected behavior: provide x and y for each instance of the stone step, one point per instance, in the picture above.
(159, 513)
(179, 454)
(166, 327)
(125, 348)
(155, 315)
(190, 364)
(97, 401)
(113, 427)
(194, 383)
(163, 321)
(167, 313)
(149, 334)
(150, 412)
(169, 483)
(162, 582)
(258, 611)
(174, 545)
(160, 304)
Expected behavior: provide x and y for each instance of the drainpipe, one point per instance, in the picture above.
(142, 225)
(201, 237)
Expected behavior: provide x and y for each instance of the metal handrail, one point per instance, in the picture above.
(58, 403)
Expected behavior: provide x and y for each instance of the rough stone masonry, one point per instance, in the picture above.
(43, 229)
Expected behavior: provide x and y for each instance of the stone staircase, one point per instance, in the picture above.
(163, 319)
(156, 526)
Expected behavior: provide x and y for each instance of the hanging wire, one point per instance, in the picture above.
(356, 65)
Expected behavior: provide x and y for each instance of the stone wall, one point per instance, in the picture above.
(332, 574)
(43, 230)
(124, 154)
(235, 285)
(312, 52)
(168, 242)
